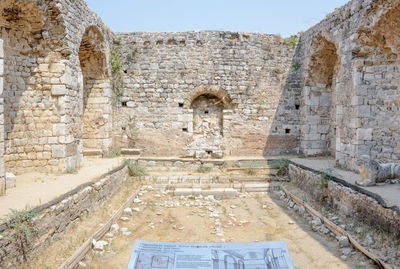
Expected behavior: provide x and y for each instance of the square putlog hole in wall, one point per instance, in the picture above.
(287, 131)
(297, 107)
(180, 104)
(124, 104)
(185, 130)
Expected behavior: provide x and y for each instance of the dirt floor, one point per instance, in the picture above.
(33, 188)
(251, 217)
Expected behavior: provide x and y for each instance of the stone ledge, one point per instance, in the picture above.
(347, 199)
(92, 152)
(130, 151)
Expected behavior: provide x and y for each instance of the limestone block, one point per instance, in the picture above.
(1, 49)
(59, 90)
(131, 151)
(58, 151)
(57, 67)
(11, 180)
(364, 134)
(92, 152)
(67, 79)
(59, 129)
(200, 154)
(43, 67)
(217, 154)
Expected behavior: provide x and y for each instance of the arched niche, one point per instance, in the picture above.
(207, 109)
(319, 130)
(207, 116)
(96, 115)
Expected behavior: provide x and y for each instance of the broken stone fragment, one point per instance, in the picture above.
(99, 245)
(81, 265)
(125, 231)
(114, 228)
(125, 219)
(346, 251)
(344, 242)
(128, 211)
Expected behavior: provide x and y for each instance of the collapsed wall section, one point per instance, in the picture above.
(164, 74)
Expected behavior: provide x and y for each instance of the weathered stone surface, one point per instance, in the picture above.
(11, 180)
(373, 172)
(346, 201)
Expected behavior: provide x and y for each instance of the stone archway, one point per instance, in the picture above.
(95, 81)
(319, 128)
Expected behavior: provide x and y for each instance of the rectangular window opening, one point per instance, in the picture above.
(185, 129)
(124, 104)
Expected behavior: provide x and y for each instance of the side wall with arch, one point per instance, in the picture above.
(363, 103)
(43, 99)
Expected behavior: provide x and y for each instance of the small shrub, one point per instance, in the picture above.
(116, 63)
(72, 170)
(326, 176)
(113, 154)
(291, 41)
(135, 169)
(250, 168)
(204, 169)
(21, 221)
(282, 165)
(296, 66)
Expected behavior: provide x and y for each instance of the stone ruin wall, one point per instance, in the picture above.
(164, 73)
(2, 171)
(351, 108)
(43, 84)
(336, 93)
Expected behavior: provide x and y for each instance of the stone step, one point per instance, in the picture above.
(217, 192)
(131, 151)
(92, 152)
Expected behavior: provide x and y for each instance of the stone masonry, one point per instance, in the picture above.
(2, 172)
(164, 74)
(350, 78)
(204, 94)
